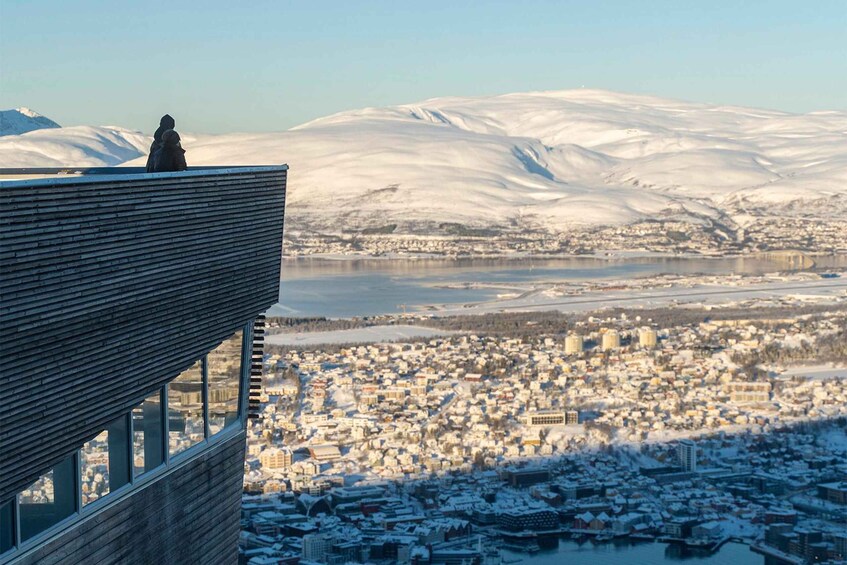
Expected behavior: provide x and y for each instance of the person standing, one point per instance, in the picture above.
(169, 156)
(166, 123)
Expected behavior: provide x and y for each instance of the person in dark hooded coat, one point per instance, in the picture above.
(169, 156)
(165, 124)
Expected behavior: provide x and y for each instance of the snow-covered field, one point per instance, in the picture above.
(701, 294)
(540, 159)
(815, 372)
(81, 146)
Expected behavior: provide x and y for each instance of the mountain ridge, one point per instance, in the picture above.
(548, 160)
(22, 120)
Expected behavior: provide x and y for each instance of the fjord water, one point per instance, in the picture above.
(366, 287)
(624, 553)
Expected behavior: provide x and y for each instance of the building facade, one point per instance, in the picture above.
(647, 338)
(686, 452)
(749, 392)
(545, 418)
(573, 344)
(276, 458)
(132, 306)
(611, 340)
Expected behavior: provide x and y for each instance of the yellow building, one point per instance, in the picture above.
(647, 337)
(611, 340)
(573, 344)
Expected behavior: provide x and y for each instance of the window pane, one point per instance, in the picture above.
(224, 370)
(118, 453)
(147, 434)
(7, 530)
(95, 468)
(185, 410)
(48, 500)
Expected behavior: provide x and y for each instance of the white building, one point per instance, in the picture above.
(686, 452)
(551, 418)
(275, 458)
(743, 392)
(647, 337)
(316, 546)
(611, 340)
(573, 344)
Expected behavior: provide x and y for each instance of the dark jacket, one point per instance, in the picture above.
(169, 156)
(165, 124)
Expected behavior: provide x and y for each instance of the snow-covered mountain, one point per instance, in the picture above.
(80, 146)
(541, 159)
(22, 120)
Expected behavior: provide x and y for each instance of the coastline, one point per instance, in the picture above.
(609, 255)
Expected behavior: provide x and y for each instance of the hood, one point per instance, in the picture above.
(166, 123)
(170, 137)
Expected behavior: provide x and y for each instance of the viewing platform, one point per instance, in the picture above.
(114, 282)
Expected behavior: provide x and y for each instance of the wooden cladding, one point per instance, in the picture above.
(111, 285)
(190, 516)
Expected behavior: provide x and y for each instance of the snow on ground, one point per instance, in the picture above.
(701, 294)
(343, 397)
(536, 159)
(738, 527)
(835, 439)
(373, 334)
(815, 372)
(560, 435)
(80, 146)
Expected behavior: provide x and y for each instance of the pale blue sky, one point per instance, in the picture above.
(221, 66)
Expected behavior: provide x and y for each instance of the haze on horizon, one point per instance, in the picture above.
(221, 67)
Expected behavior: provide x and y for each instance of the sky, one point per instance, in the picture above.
(225, 66)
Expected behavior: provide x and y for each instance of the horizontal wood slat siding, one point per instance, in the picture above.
(111, 286)
(192, 515)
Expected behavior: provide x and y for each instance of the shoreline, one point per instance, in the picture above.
(610, 255)
(539, 299)
(361, 287)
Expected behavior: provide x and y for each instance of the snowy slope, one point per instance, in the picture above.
(540, 159)
(22, 120)
(82, 146)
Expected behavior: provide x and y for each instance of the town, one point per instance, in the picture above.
(673, 427)
(662, 236)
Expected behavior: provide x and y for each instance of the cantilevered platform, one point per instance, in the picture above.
(113, 281)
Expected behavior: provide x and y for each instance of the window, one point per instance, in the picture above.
(7, 527)
(202, 401)
(104, 462)
(95, 468)
(49, 500)
(186, 426)
(224, 371)
(148, 434)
